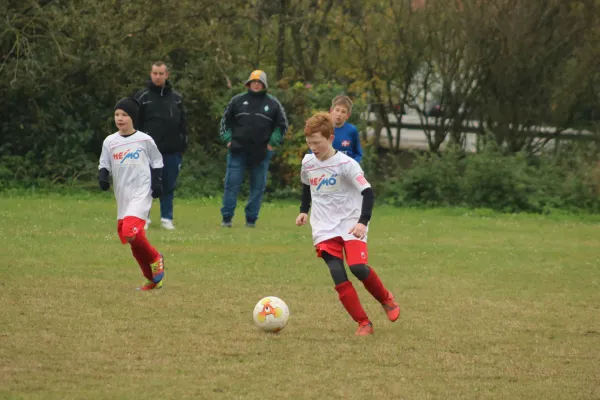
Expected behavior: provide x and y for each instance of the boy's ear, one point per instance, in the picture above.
(330, 110)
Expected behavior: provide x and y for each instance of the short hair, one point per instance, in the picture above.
(342, 100)
(319, 122)
(159, 64)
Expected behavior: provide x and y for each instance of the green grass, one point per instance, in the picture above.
(493, 307)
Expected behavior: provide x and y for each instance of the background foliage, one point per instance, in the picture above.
(525, 71)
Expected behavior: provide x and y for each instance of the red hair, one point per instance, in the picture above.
(320, 122)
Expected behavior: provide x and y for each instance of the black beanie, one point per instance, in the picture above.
(130, 106)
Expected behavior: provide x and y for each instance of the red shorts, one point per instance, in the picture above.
(129, 227)
(355, 250)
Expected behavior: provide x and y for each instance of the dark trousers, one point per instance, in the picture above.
(236, 171)
(172, 166)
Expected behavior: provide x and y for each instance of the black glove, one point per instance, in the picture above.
(156, 185)
(103, 179)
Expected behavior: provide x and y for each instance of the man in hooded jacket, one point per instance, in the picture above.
(253, 124)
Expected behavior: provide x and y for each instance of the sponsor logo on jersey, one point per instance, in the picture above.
(345, 143)
(123, 156)
(323, 181)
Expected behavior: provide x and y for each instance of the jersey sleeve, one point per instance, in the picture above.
(105, 161)
(154, 156)
(355, 174)
(303, 172)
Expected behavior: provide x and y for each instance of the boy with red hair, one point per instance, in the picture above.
(342, 202)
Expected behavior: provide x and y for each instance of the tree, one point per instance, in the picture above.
(524, 51)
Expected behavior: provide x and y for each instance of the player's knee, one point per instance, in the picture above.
(361, 271)
(336, 268)
(338, 274)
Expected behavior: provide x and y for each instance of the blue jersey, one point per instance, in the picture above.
(347, 141)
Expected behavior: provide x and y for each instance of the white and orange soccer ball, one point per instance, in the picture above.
(271, 314)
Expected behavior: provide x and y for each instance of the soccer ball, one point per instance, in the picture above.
(271, 314)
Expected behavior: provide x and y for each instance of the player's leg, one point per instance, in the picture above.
(150, 260)
(236, 168)
(357, 257)
(258, 183)
(336, 268)
(139, 255)
(142, 262)
(331, 252)
(172, 166)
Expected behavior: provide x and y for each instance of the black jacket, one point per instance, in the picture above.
(251, 121)
(162, 116)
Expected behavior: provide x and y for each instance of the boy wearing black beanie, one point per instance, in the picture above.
(135, 163)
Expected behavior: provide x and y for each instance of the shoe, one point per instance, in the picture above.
(226, 223)
(149, 285)
(391, 307)
(158, 270)
(147, 224)
(251, 224)
(364, 329)
(167, 223)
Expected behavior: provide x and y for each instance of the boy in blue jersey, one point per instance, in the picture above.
(346, 138)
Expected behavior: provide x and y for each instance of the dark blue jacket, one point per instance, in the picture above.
(162, 116)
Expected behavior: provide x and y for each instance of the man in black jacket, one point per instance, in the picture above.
(252, 125)
(162, 116)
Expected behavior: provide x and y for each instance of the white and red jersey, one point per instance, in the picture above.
(129, 159)
(335, 187)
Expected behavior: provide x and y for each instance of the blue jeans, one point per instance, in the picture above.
(236, 170)
(172, 165)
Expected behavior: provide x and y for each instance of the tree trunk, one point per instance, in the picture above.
(281, 40)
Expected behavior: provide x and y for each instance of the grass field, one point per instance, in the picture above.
(493, 307)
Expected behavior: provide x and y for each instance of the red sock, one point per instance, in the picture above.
(349, 299)
(144, 266)
(375, 287)
(144, 249)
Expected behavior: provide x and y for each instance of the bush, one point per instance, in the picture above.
(506, 183)
(434, 180)
(503, 183)
(202, 172)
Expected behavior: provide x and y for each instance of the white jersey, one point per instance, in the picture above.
(335, 187)
(129, 159)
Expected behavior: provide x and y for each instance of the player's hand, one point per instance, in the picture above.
(229, 145)
(269, 147)
(104, 184)
(301, 219)
(359, 231)
(103, 179)
(157, 191)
